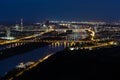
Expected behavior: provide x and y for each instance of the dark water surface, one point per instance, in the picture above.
(10, 63)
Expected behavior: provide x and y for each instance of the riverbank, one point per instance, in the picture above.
(98, 64)
(21, 49)
(30, 46)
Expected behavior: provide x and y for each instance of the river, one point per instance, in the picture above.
(10, 63)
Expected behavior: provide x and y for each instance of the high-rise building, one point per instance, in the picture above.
(47, 23)
(21, 24)
(8, 32)
(17, 27)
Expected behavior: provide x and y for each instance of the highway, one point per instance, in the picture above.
(46, 57)
(98, 45)
(27, 37)
(32, 66)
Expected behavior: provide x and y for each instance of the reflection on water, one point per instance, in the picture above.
(63, 44)
(77, 36)
(10, 63)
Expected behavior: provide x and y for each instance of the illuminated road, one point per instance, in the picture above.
(33, 36)
(46, 57)
(63, 30)
(98, 45)
(33, 56)
(30, 67)
(32, 39)
(27, 37)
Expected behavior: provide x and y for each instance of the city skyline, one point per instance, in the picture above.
(39, 10)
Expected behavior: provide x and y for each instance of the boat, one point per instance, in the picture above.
(24, 65)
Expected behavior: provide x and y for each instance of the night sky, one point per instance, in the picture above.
(40, 10)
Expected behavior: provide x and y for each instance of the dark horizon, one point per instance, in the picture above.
(40, 10)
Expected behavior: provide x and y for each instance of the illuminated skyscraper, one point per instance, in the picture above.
(8, 32)
(21, 24)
